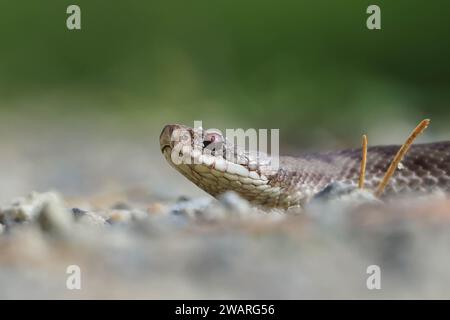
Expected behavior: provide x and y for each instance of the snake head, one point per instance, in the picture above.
(215, 164)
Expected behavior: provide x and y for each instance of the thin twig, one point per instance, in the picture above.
(400, 154)
(362, 171)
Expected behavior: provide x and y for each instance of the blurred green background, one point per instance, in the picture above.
(310, 68)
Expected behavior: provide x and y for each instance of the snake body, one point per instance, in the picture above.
(425, 168)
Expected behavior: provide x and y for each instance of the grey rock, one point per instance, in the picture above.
(27, 208)
(234, 203)
(78, 213)
(121, 206)
(191, 208)
(92, 218)
(54, 217)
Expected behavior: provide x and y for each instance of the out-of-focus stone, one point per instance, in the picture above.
(123, 216)
(234, 203)
(91, 218)
(335, 203)
(54, 217)
(191, 208)
(119, 216)
(78, 213)
(27, 208)
(157, 208)
(138, 214)
(121, 206)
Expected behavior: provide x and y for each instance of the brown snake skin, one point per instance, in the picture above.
(425, 168)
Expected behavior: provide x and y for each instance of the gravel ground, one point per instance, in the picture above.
(204, 248)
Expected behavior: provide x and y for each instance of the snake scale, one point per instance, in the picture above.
(425, 168)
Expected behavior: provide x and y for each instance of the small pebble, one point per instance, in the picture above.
(234, 203)
(54, 217)
(78, 213)
(121, 206)
(157, 208)
(91, 218)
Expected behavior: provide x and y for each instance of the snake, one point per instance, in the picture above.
(214, 164)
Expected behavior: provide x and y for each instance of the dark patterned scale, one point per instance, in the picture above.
(425, 168)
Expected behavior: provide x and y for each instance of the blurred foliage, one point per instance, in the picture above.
(294, 65)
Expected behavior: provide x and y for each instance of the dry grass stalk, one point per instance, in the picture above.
(362, 171)
(400, 154)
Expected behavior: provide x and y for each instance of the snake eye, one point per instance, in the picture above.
(212, 139)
